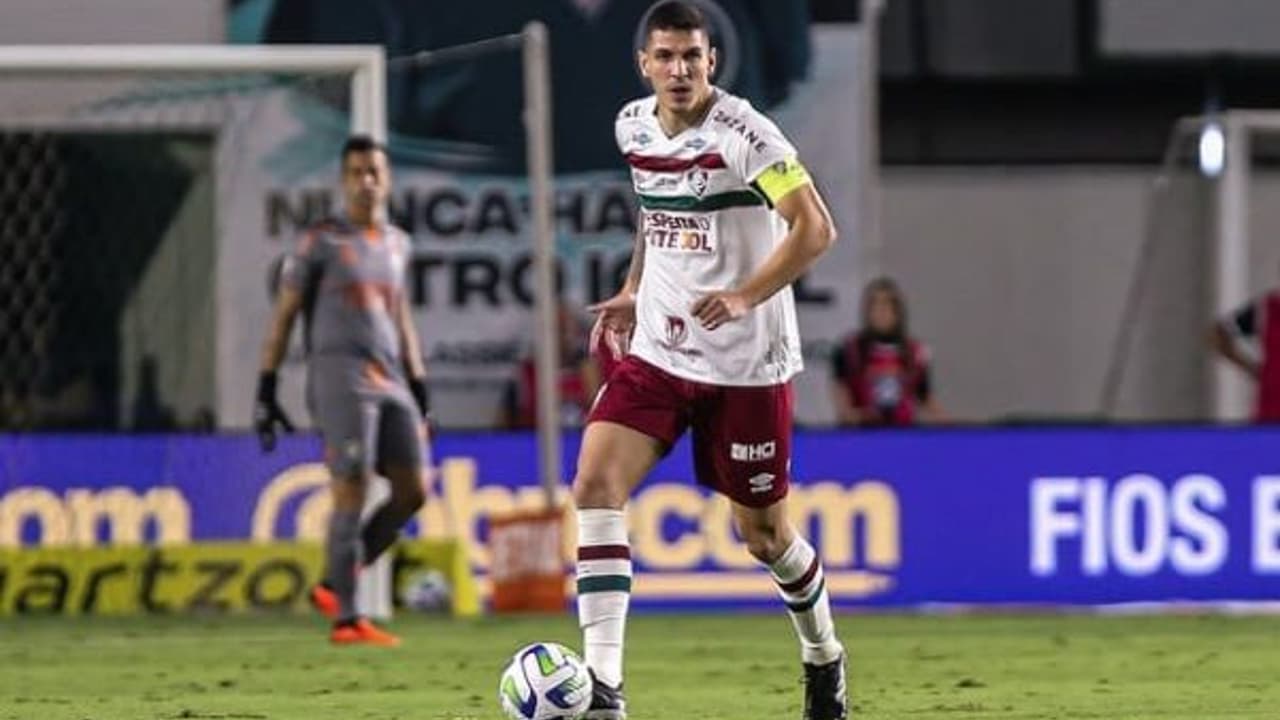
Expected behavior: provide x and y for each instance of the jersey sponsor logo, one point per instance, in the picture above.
(753, 452)
(695, 241)
(676, 222)
(641, 138)
(739, 126)
(657, 182)
(761, 483)
(681, 233)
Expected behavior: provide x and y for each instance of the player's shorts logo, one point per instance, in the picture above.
(761, 483)
(753, 452)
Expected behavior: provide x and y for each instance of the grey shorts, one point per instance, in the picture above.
(365, 429)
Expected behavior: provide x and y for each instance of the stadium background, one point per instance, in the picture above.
(1012, 157)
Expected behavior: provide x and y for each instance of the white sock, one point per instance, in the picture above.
(604, 589)
(798, 574)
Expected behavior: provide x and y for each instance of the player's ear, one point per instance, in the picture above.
(711, 62)
(642, 61)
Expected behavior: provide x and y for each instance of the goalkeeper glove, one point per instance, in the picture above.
(421, 395)
(267, 413)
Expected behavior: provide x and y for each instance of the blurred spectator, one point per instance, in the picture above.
(1258, 321)
(881, 374)
(579, 379)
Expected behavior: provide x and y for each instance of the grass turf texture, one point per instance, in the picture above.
(678, 667)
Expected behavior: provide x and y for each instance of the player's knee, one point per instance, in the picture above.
(348, 491)
(765, 541)
(599, 489)
(411, 498)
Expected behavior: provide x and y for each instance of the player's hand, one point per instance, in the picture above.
(617, 343)
(421, 395)
(267, 413)
(718, 308)
(617, 314)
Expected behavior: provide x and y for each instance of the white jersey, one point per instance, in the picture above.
(706, 228)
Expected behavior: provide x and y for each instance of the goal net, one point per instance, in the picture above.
(1209, 246)
(150, 193)
(121, 180)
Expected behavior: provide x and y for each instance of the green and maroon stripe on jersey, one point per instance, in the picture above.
(707, 203)
(654, 163)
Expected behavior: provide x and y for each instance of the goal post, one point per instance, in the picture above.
(122, 90)
(1209, 245)
(364, 65)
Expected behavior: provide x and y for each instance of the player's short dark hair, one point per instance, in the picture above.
(674, 15)
(360, 144)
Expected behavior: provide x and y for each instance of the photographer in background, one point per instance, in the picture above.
(880, 374)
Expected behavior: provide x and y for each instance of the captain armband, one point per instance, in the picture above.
(779, 179)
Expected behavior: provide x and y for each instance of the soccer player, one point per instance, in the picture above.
(729, 219)
(366, 380)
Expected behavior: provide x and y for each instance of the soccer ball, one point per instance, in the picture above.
(545, 681)
(427, 591)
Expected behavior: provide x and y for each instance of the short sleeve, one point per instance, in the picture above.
(758, 144)
(626, 129)
(301, 265)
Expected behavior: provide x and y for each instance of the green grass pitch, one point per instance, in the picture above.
(679, 667)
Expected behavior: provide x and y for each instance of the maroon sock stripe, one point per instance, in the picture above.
(805, 579)
(604, 552)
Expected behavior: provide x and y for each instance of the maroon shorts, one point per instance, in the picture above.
(741, 435)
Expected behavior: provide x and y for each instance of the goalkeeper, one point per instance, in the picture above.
(366, 380)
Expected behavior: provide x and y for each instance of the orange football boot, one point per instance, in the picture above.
(362, 632)
(325, 601)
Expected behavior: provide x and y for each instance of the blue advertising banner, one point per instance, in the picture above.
(1063, 516)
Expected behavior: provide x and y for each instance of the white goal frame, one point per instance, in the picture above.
(367, 67)
(1230, 394)
(365, 64)
(1227, 136)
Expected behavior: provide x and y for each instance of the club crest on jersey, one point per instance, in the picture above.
(677, 333)
(696, 144)
(677, 330)
(699, 179)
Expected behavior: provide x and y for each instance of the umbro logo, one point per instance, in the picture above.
(761, 483)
